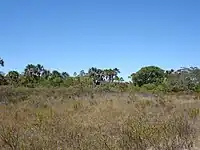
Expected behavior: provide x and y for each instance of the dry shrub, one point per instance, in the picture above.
(90, 124)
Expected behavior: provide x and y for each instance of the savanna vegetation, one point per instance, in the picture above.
(157, 110)
(151, 78)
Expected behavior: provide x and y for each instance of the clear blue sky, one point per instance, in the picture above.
(70, 35)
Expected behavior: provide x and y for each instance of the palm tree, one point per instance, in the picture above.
(116, 70)
(111, 74)
(82, 73)
(30, 70)
(65, 75)
(75, 74)
(121, 79)
(95, 73)
(1, 62)
(39, 69)
(55, 73)
(108, 74)
(46, 74)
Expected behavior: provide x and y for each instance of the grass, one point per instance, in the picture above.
(49, 119)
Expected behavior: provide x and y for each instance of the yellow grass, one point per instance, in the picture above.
(106, 121)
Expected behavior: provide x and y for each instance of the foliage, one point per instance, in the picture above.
(78, 114)
(148, 75)
(150, 78)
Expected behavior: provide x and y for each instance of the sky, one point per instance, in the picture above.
(71, 35)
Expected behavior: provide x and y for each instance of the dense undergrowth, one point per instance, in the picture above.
(96, 118)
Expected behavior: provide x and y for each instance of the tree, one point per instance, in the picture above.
(121, 79)
(30, 70)
(185, 78)
(55, 73)
(116, 71)
(75, 74)
(82, 73)
(65, 75)
(96, 74)
(1, 62)
(34, 74)
(111, 74)
(34, 70)
(40, 69)
(13, 77)
(46, 74)
(148, 75)
(151, 77)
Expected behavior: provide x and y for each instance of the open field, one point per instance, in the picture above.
(38, 119)
(100, 75)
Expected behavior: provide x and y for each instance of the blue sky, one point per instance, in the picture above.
(71, 35)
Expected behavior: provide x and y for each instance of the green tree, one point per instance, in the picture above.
(13, 77)
(111, 74)
(30, 70)
(33, 74)
(39, 69)
(184, 79)
(148, 75)
(55, 73)
(96, 74)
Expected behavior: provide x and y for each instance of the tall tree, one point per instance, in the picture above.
(74, 74)
(1, 62)
(82, 73)
(65, 75)
(46, 74)
(121, 79)
(111, 74)
(96, 74)
(40, 69)
(30, 70)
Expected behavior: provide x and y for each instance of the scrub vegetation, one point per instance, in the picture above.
(97, 109)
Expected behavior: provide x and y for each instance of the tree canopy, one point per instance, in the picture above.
(150, 77)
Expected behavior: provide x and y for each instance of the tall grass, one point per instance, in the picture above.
(58, 119)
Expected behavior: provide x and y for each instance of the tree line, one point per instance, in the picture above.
(148, 77)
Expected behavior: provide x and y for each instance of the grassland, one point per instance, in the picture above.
(86, 119)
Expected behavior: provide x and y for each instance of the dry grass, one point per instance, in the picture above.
(106, 121)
